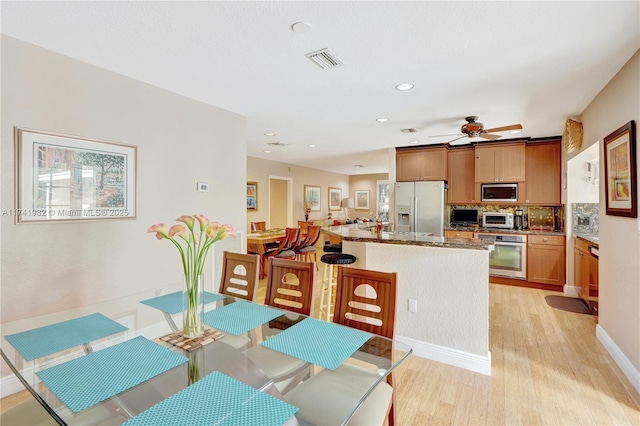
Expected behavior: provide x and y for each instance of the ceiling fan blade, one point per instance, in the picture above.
(440, 136)
(453, 140)
(504, 128)
(490, 136)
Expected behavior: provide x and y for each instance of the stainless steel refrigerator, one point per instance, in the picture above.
(420, 206)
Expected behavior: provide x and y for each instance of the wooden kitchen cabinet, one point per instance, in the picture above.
(461, 176)
(543, 173)
(500, 163)
(415, 164)
(585, 273)
(546, 259)
(458, 234)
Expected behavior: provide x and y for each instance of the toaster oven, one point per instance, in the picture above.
(497, 220)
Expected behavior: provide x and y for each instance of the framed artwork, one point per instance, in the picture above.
(362, 200)
(252, 195)
(312, 198)
(620, 172)
(61, 178)
(335, 198)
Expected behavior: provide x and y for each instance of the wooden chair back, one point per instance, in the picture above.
(366, 300)
(239, 275)
(313, 235)
(258, 226)
(290, 285)
(304, 225)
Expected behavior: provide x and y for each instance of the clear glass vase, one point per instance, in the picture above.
(193, 307)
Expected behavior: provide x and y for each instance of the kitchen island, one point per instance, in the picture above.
(444, 280)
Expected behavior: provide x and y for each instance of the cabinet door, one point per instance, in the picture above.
(546, 263)
(435, 164)
(461, 176)
(458, 234)
(581, 273)
(485, 165)
(510, 163)
(542, 173)
(421, 164)
(408, 166)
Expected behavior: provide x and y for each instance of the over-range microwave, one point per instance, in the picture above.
(503, 192)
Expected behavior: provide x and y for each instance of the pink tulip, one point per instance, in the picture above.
(160, 229)
(176, 230)
(204, 221)
(231, 232)
(212, 230)
(187, 220)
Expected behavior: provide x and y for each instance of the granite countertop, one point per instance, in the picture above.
(588, 237)
(355, 233)
(504, 231)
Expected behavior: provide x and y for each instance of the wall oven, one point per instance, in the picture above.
(509, 257)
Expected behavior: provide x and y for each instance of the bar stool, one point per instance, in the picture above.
(332, 248)
(328, 279)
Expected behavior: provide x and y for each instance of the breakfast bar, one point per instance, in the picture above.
(443, 290)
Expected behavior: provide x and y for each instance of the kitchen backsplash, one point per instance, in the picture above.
(558, 212)
(584, 218)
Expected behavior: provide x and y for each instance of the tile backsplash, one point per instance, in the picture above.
(584, 218)
(490, 208)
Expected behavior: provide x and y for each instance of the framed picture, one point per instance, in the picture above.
(362, 200)
(61, 178)
(335, 198)
(620, 172)
(252, 195)
(312, 197)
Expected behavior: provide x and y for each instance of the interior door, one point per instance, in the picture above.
(278, 211)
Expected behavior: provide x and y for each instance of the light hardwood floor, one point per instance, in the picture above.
(548, 368)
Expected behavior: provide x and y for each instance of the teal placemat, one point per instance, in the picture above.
(240, 317)
(216, 399)
(57, 337)
(318, 342)
(83, 382)
(172, 303)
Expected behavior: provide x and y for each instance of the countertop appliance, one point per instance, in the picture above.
(509, 257)
(518, 219)
(464, 217)
(497, 220)
(504, 192)
(420, 206)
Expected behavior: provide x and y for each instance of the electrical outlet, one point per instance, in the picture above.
(583, 220)
(413, 305)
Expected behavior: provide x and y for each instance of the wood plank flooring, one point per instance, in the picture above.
(548, 368)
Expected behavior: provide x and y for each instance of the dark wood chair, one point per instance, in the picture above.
(304, 225)
(365, 300)
(239, 275)
(258, 226)
(307, 247)
(284, 250)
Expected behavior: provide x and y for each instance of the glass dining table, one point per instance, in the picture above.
(124, 361)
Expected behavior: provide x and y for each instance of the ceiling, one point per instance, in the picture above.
(534, 63)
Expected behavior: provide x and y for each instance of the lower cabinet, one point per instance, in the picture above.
(546, 259)
(585, 274)
(458, 234)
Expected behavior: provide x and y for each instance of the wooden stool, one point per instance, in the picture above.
(329, 280)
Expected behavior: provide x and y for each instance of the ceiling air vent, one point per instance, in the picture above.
(324, 59)
(277, 144)
(412, 130)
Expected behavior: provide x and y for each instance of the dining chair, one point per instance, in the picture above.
(307, 247)
(239, 275)
(365, 300)
(258, 226)
(304, 225)
(289, 287)
(284, 249)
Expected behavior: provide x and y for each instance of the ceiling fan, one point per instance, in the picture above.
(474, 129)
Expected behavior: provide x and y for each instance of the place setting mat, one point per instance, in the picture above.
(172, 303)
(216, 399)
(95, 377)
(240, 316)
(47, 340)
(318, 342)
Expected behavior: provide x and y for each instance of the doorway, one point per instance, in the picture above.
(280, 202)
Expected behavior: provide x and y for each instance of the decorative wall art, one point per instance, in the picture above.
(312, 197)
(335, 198)
(252, 196)
(61, 178)
(362, 200)
(620, 172)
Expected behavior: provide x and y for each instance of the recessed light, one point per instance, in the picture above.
(267, 151)
(358, 165)
(301, 27)
(382, 120)
(404, 86)
(515, 131)
(311, 146)
(269, 134)
(413, 142)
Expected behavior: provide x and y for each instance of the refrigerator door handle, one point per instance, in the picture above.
(415, 215)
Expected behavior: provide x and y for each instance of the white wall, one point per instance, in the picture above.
(52, 266)
(619, 276)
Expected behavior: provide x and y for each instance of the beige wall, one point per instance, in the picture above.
(51, 266)
(365, 183)
(619, 292)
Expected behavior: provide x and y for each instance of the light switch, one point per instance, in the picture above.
(413, 305)
(203, 187)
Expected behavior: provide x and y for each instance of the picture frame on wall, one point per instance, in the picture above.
(362, 199)
(620, 172)
(312, 197)
(61, 178)
(335, 198)
(252, 196)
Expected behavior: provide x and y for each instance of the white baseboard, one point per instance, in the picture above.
(619, 357)
(570, 290)
(477, 363)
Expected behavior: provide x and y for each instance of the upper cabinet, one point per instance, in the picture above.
(461, 176)
(415, 164)
(543, 173)
(500, 163)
